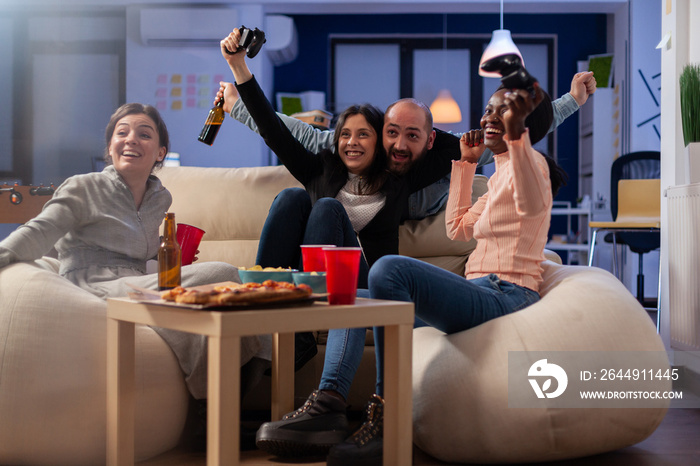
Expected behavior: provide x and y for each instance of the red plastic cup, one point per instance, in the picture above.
(342, 270)
(312, 257)
(188, 237)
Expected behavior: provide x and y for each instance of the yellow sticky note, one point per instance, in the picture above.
(176, 105)
(176, 92)
(176, 79)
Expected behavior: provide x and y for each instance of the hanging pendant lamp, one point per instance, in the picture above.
(445, 108)
(501, 44)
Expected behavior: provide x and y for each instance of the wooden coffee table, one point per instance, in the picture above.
(225, 329)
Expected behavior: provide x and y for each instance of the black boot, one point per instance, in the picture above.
(309, 431)
(366, 446)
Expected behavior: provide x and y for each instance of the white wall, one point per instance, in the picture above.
(677, 16)
(150, 70)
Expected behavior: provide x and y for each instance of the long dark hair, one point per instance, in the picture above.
(137, 109)
(557, 176)
(538, 122)
(373, 180)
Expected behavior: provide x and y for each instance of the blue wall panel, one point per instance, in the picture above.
(578, 36)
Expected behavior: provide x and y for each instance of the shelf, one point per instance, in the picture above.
(570, 211)
(567, 246)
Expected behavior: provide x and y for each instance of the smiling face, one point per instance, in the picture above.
(357, 143)
(135, 146)
(408, 135)
(492, 122)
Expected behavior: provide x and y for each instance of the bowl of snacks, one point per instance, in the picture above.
(258, 274)
(316, 280)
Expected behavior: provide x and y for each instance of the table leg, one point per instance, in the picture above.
(223, 401)
(120, 393)
(282, 374)
(398, 395)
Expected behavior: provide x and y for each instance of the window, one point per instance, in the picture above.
(382, 69)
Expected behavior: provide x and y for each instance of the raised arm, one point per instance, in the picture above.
(460, 215)
(315, 140)
(302, 163)
(582, 85)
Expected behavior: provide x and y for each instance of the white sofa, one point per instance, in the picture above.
(52, 333)
(52, 351)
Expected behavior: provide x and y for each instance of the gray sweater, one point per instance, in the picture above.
(94, 225)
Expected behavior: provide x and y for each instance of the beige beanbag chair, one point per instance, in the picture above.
(53, 373)
(461, 399)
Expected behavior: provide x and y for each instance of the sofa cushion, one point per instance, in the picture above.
(229, 204)
(582, 309)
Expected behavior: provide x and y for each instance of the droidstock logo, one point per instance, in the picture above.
(542, 370)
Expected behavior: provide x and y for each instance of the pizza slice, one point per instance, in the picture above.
(239, 294)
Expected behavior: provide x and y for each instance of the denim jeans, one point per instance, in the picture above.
(442, 299)
(293, 221)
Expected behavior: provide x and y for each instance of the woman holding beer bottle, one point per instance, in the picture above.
(105, 225)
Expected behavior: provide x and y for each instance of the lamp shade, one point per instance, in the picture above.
(501, 44)
(445, 109)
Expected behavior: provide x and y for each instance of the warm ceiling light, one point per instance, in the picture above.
(501, 44)
(445, 109)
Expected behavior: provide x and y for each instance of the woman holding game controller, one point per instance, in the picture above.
(350, 197)
(510, 223)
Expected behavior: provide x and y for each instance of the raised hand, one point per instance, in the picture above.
(229, 93)
(471, 145)
(520, 104)
(230, 47)
(235, 57)
(582, 85)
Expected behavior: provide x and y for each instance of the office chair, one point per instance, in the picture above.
(635, 209)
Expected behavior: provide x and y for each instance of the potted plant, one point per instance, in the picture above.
(690, 117)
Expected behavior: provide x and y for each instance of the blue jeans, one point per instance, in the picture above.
(443, 299)
(293, 221)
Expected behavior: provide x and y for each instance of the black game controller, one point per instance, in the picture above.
(252, 41)
(513, 73)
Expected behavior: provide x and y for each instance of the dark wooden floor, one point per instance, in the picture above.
(675, 443)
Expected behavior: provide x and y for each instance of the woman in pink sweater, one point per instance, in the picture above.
(510, 223)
